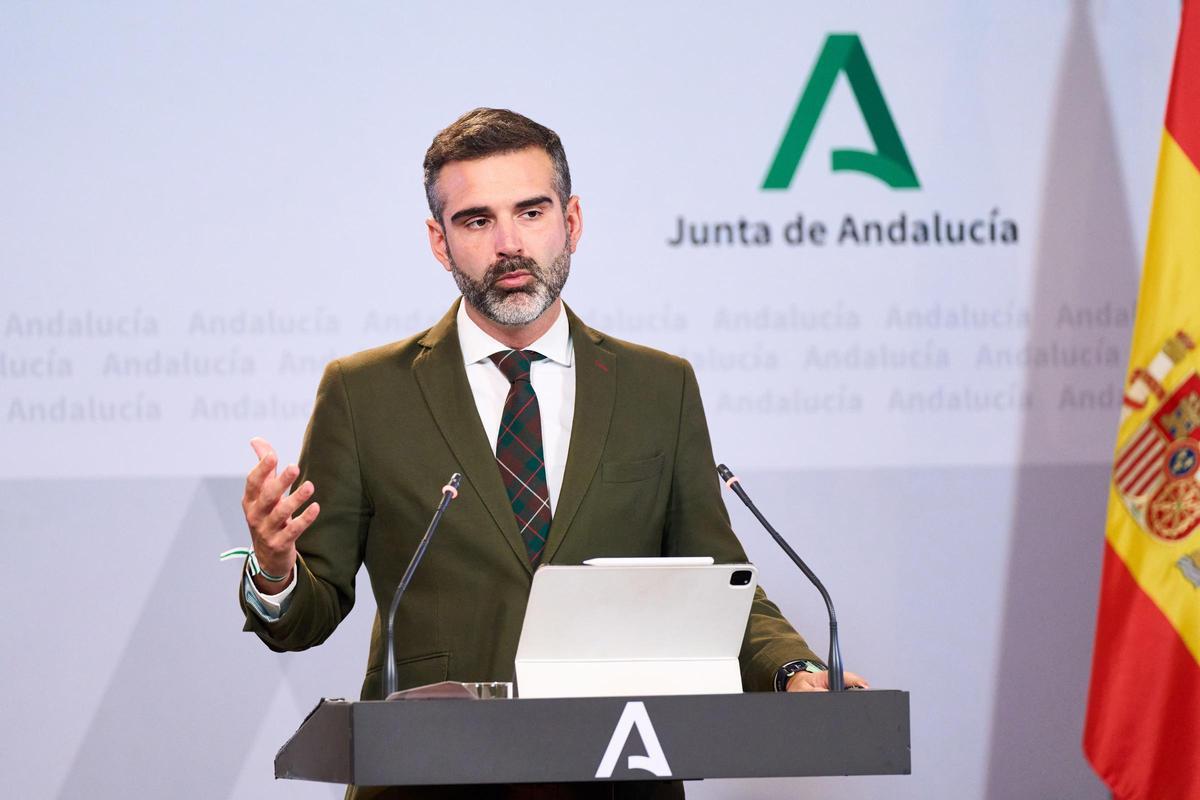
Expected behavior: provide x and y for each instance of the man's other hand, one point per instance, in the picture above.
(269, 513)
(819, 682)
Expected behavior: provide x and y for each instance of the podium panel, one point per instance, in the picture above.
(428, 742)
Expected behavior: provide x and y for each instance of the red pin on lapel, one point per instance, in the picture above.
(601, 365)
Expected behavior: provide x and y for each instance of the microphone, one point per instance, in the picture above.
(449, 492)
(837, 681)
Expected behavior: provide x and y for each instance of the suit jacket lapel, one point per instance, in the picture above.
(440, 373)
(595, 393)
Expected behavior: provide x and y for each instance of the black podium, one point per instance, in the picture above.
(424, 742)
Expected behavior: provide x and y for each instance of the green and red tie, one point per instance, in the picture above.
(519, 451)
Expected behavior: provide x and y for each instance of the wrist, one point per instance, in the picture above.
(269, 579)
(269, 588)
(272, 563)
(785, 673)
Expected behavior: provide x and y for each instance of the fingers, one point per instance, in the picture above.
(282, 540)
(273, 487)
(261, 446)
(264, 469)
(857, 681)
(277, 548)
(286, 507)
(267, 506)
(299, 524)
(268, 511)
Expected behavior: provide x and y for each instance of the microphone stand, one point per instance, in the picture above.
(449, 492)
(837, 680)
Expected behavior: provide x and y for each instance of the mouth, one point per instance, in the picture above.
(513, 280)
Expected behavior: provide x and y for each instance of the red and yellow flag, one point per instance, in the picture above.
(1142, 734)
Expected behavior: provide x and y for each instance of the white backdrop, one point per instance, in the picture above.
(204, 203)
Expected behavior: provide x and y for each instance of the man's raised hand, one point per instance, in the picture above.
(269, 513)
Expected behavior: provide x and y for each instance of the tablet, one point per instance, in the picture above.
(620, 627)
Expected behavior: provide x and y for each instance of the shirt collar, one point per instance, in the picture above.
(477, 345)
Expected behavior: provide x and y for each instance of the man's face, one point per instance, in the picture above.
(504, 234)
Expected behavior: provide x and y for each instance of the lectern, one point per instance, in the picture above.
(426, 742)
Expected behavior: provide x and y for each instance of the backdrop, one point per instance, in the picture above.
(919, 382)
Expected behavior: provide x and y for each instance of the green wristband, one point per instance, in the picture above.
(252, 566)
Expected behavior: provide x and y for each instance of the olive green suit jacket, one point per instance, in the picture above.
(391, 424)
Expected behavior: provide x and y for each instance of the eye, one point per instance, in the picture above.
(478, 223)
(532, 213)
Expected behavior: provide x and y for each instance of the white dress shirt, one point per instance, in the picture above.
(553, 381)
(552, 378)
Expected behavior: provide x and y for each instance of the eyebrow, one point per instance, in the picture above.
(470, 212)
(540, 200)
(475, 211)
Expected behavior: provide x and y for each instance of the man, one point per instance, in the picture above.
(572, 445)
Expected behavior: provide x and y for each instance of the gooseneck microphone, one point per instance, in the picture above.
(837, 681)
(449, 492)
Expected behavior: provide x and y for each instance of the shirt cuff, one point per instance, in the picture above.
(268, 607)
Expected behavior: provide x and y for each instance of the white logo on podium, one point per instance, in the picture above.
(654, 762)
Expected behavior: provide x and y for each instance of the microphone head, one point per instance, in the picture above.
(725, 472)
(455, 480)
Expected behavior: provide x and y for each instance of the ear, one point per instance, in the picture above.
(437, 242)
(574, 221)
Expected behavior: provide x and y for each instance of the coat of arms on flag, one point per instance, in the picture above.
(1157, 469)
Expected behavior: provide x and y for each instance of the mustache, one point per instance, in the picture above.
(504, 266)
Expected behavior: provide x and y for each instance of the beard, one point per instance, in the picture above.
(519, 306)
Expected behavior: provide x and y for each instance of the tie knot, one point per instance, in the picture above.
(515, 363)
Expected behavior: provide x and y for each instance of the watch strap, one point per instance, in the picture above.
(785, 673)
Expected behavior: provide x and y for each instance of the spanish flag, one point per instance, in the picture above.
(1142, 733)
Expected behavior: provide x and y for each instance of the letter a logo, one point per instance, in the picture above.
(843, 52)
(654, 762)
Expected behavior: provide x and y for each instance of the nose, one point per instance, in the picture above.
(508, 239)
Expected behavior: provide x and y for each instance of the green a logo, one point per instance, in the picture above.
(843, 52)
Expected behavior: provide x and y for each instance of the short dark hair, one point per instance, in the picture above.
(488, 132)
